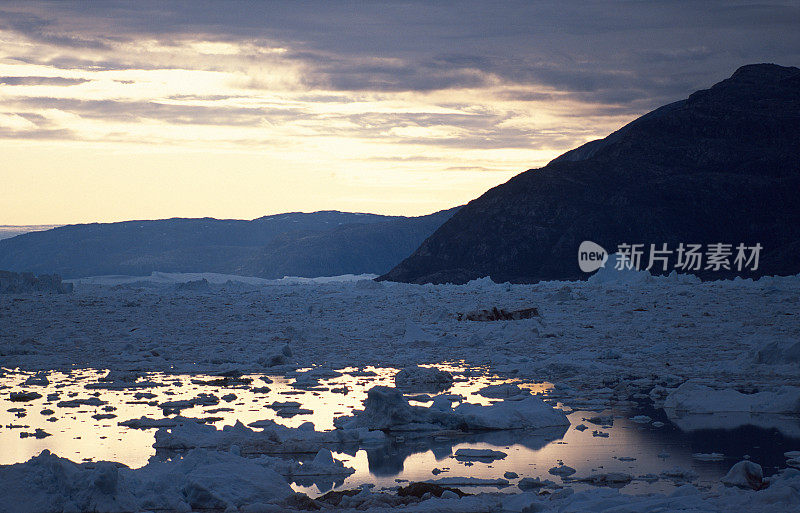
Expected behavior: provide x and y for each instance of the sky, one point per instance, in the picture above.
(144, 110)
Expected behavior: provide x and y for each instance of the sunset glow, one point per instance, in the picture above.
(114, 111)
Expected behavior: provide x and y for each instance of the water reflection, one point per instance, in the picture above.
(77, 433)
(788, 425)
(91, 430)
(390, 460)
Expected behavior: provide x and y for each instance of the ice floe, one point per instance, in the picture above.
(386, 409)
(602, 345)
(745, 474)
(694, 397)
(198, 480)
(423, 379)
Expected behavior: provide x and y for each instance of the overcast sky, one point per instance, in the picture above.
(141, 110)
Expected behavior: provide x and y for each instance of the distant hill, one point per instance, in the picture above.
(222, 246)
(722, 166)
(349, 248)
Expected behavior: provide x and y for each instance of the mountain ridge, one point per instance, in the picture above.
(719, 166)
(229, 246)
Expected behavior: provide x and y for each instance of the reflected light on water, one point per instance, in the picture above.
(84, 432)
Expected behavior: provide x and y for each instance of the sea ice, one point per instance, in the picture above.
(479, 454)
(692, 397)
(23, 397)
(532, 483)
(423, 379)
(501, 391)
(781, 351)
(713, 456)
(38, 379)
(745, 474)
(468, 481)
(562, 470)
(74, 403)
(386, 409)
(612, 479)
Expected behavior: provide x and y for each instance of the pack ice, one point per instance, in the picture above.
(724, 350)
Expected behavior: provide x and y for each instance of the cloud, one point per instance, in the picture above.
(50, 81)
(37, 134)
(404, 158)
(515, 75)
(481, 169)
(357, 73)
(599, 51)
(42, 30)
(459, 127)
(133, 111)
(399, 100)
(497, 139)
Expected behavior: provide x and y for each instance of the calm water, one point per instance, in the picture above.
(89, 432)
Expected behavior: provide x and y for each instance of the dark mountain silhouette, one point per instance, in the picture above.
(720, 166)
(222, 246)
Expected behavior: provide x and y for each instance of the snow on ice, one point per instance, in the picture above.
(726, 350)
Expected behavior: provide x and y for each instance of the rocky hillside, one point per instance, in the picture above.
(722, 166)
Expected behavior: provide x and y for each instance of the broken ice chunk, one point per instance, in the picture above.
(39, 379)
(423, 379)
(611, 479)
(387, 409)
(532, 483)
(23, 397)
(501, 391)
(479, 454)
(745, 474)
(74, 403)
(562, 470)
(714, 456)
(39, 433)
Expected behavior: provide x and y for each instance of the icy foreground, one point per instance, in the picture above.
(662, 327)
(204, 480)
(696, 349)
